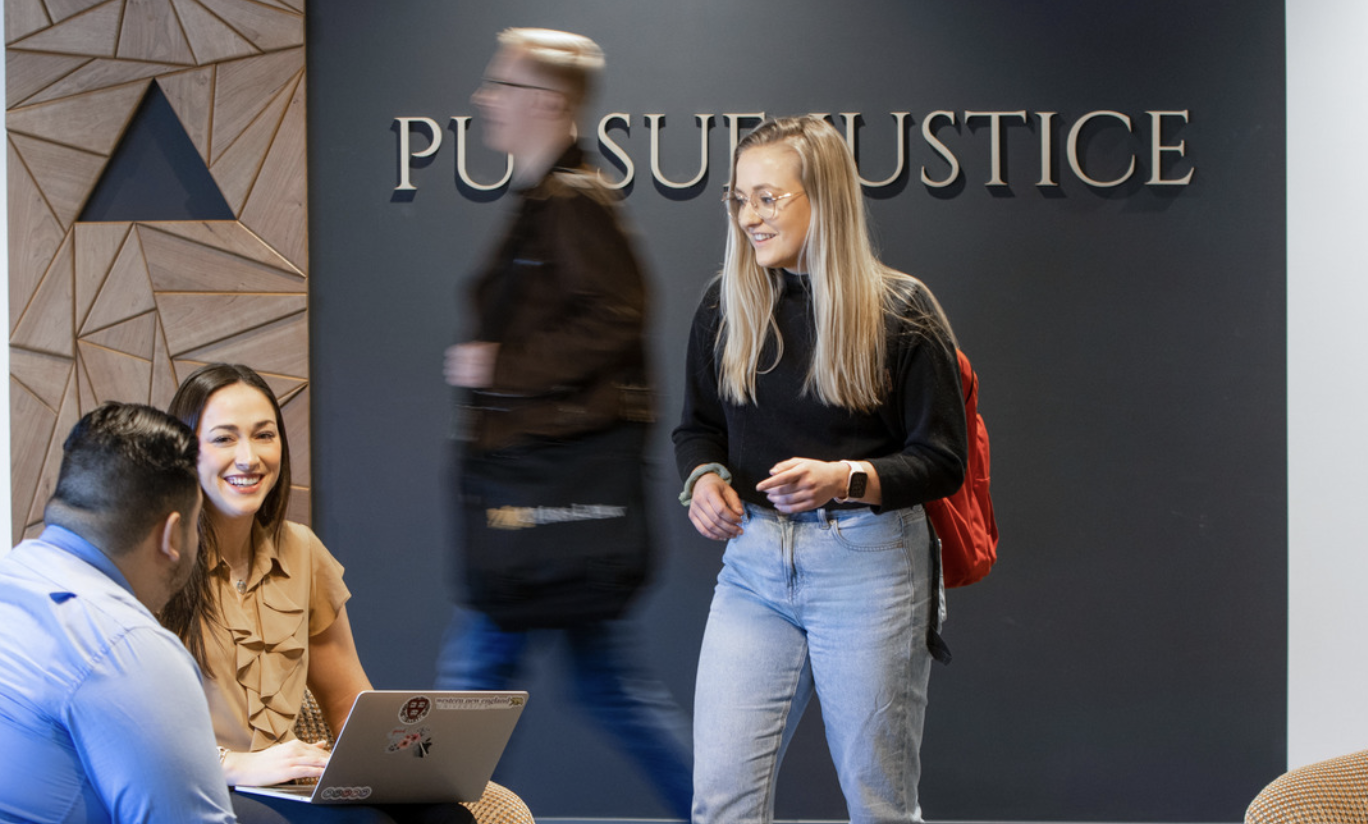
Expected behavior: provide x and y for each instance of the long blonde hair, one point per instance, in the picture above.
(852, 291)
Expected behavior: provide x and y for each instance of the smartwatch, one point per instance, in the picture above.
(855, 482)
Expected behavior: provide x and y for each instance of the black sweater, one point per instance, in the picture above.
(915, 439)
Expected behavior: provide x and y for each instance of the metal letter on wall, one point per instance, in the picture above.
(124, 311)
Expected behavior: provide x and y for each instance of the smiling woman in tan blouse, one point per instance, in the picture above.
(265, 614)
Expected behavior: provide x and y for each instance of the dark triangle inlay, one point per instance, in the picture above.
(155, 173)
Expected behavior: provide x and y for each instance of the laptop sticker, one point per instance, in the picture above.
(416, 740)
(415, 709)
(480, 702)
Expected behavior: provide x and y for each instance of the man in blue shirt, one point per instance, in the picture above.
(101, 713)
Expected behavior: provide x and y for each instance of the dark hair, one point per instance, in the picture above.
(185, 613)
(125, 467)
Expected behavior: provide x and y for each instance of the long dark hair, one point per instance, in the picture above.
(186, 612)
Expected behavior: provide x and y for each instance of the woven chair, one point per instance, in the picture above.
(1327, 792)
(498, 805)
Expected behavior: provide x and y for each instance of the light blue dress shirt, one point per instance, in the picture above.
(102, 717)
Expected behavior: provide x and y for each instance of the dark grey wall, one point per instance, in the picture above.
(1126, 659)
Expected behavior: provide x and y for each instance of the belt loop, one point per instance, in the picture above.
(824, 517)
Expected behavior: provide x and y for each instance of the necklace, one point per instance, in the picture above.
(241, 586)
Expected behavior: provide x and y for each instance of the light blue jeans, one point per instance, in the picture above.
(836, 601)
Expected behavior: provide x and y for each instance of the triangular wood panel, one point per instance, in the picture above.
(283, 387)
(93, 121)
(115, 376)
(135, 336)
(31, 427)
(278, 208)
(237, 169)
(77, 71)
(194, 320)
(97, 245)
(67, 416)
(178, 265)
(295, 414)
(242, 88)
(27, 73)
(66, 175)
(269, 29)
(62, 9)
(85, 393)
(190, 94)
(96, 75)
(94, 33)
(24, 17)
(281, 347)
(46, 324)
(164, 381)
(42, 374)
(126, 293)
(152, 32)
(229, 236)
(211, 39)
(34, 235)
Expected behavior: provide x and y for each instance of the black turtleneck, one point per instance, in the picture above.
(915, 439)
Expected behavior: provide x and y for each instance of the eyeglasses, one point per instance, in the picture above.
(765, 204)
(490, 81)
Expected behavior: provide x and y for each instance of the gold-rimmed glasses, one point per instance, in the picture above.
(765, 203)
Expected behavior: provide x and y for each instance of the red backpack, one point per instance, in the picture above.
(964, 522)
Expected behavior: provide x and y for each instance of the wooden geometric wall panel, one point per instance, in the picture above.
(124, 311)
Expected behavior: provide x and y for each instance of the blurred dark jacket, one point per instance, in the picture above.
(565, 297)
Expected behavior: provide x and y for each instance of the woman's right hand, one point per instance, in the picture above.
(275, 764)
(715, 509)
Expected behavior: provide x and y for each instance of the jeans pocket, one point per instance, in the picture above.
(867, 532)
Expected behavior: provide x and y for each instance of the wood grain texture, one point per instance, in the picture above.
(190, 96)
(278, 207)
(242, 88)
(93, 33)
(152, 32)
(237, 168)
(179, 265)
(98, 74)
(34, 235)
(27, 73)
(94, 121)
(269, 29)
(122, 311)
(46, 323)
(65, 175)
(211, 40)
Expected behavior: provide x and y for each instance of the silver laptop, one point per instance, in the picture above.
(413, 747)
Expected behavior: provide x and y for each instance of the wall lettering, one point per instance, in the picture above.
(946, 134)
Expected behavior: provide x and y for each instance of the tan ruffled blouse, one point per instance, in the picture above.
(260, 654)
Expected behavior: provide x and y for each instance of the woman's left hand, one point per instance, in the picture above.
(803, 484)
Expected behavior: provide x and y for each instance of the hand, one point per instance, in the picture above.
(715, 509)
(275, 764)
(471, 365)
(802, 484)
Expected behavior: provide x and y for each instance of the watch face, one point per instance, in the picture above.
(857, 485)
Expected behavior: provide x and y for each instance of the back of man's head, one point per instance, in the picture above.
(572, 60)
(125, 467)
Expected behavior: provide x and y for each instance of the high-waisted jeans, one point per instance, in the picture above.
(836, 601)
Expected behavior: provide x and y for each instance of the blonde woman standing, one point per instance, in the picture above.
(822, 408)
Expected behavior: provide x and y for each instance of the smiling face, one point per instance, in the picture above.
(240, 451)
(771, 171)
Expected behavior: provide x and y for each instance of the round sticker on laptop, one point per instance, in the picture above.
(415, 709)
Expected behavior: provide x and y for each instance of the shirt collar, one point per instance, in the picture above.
(69, 541)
